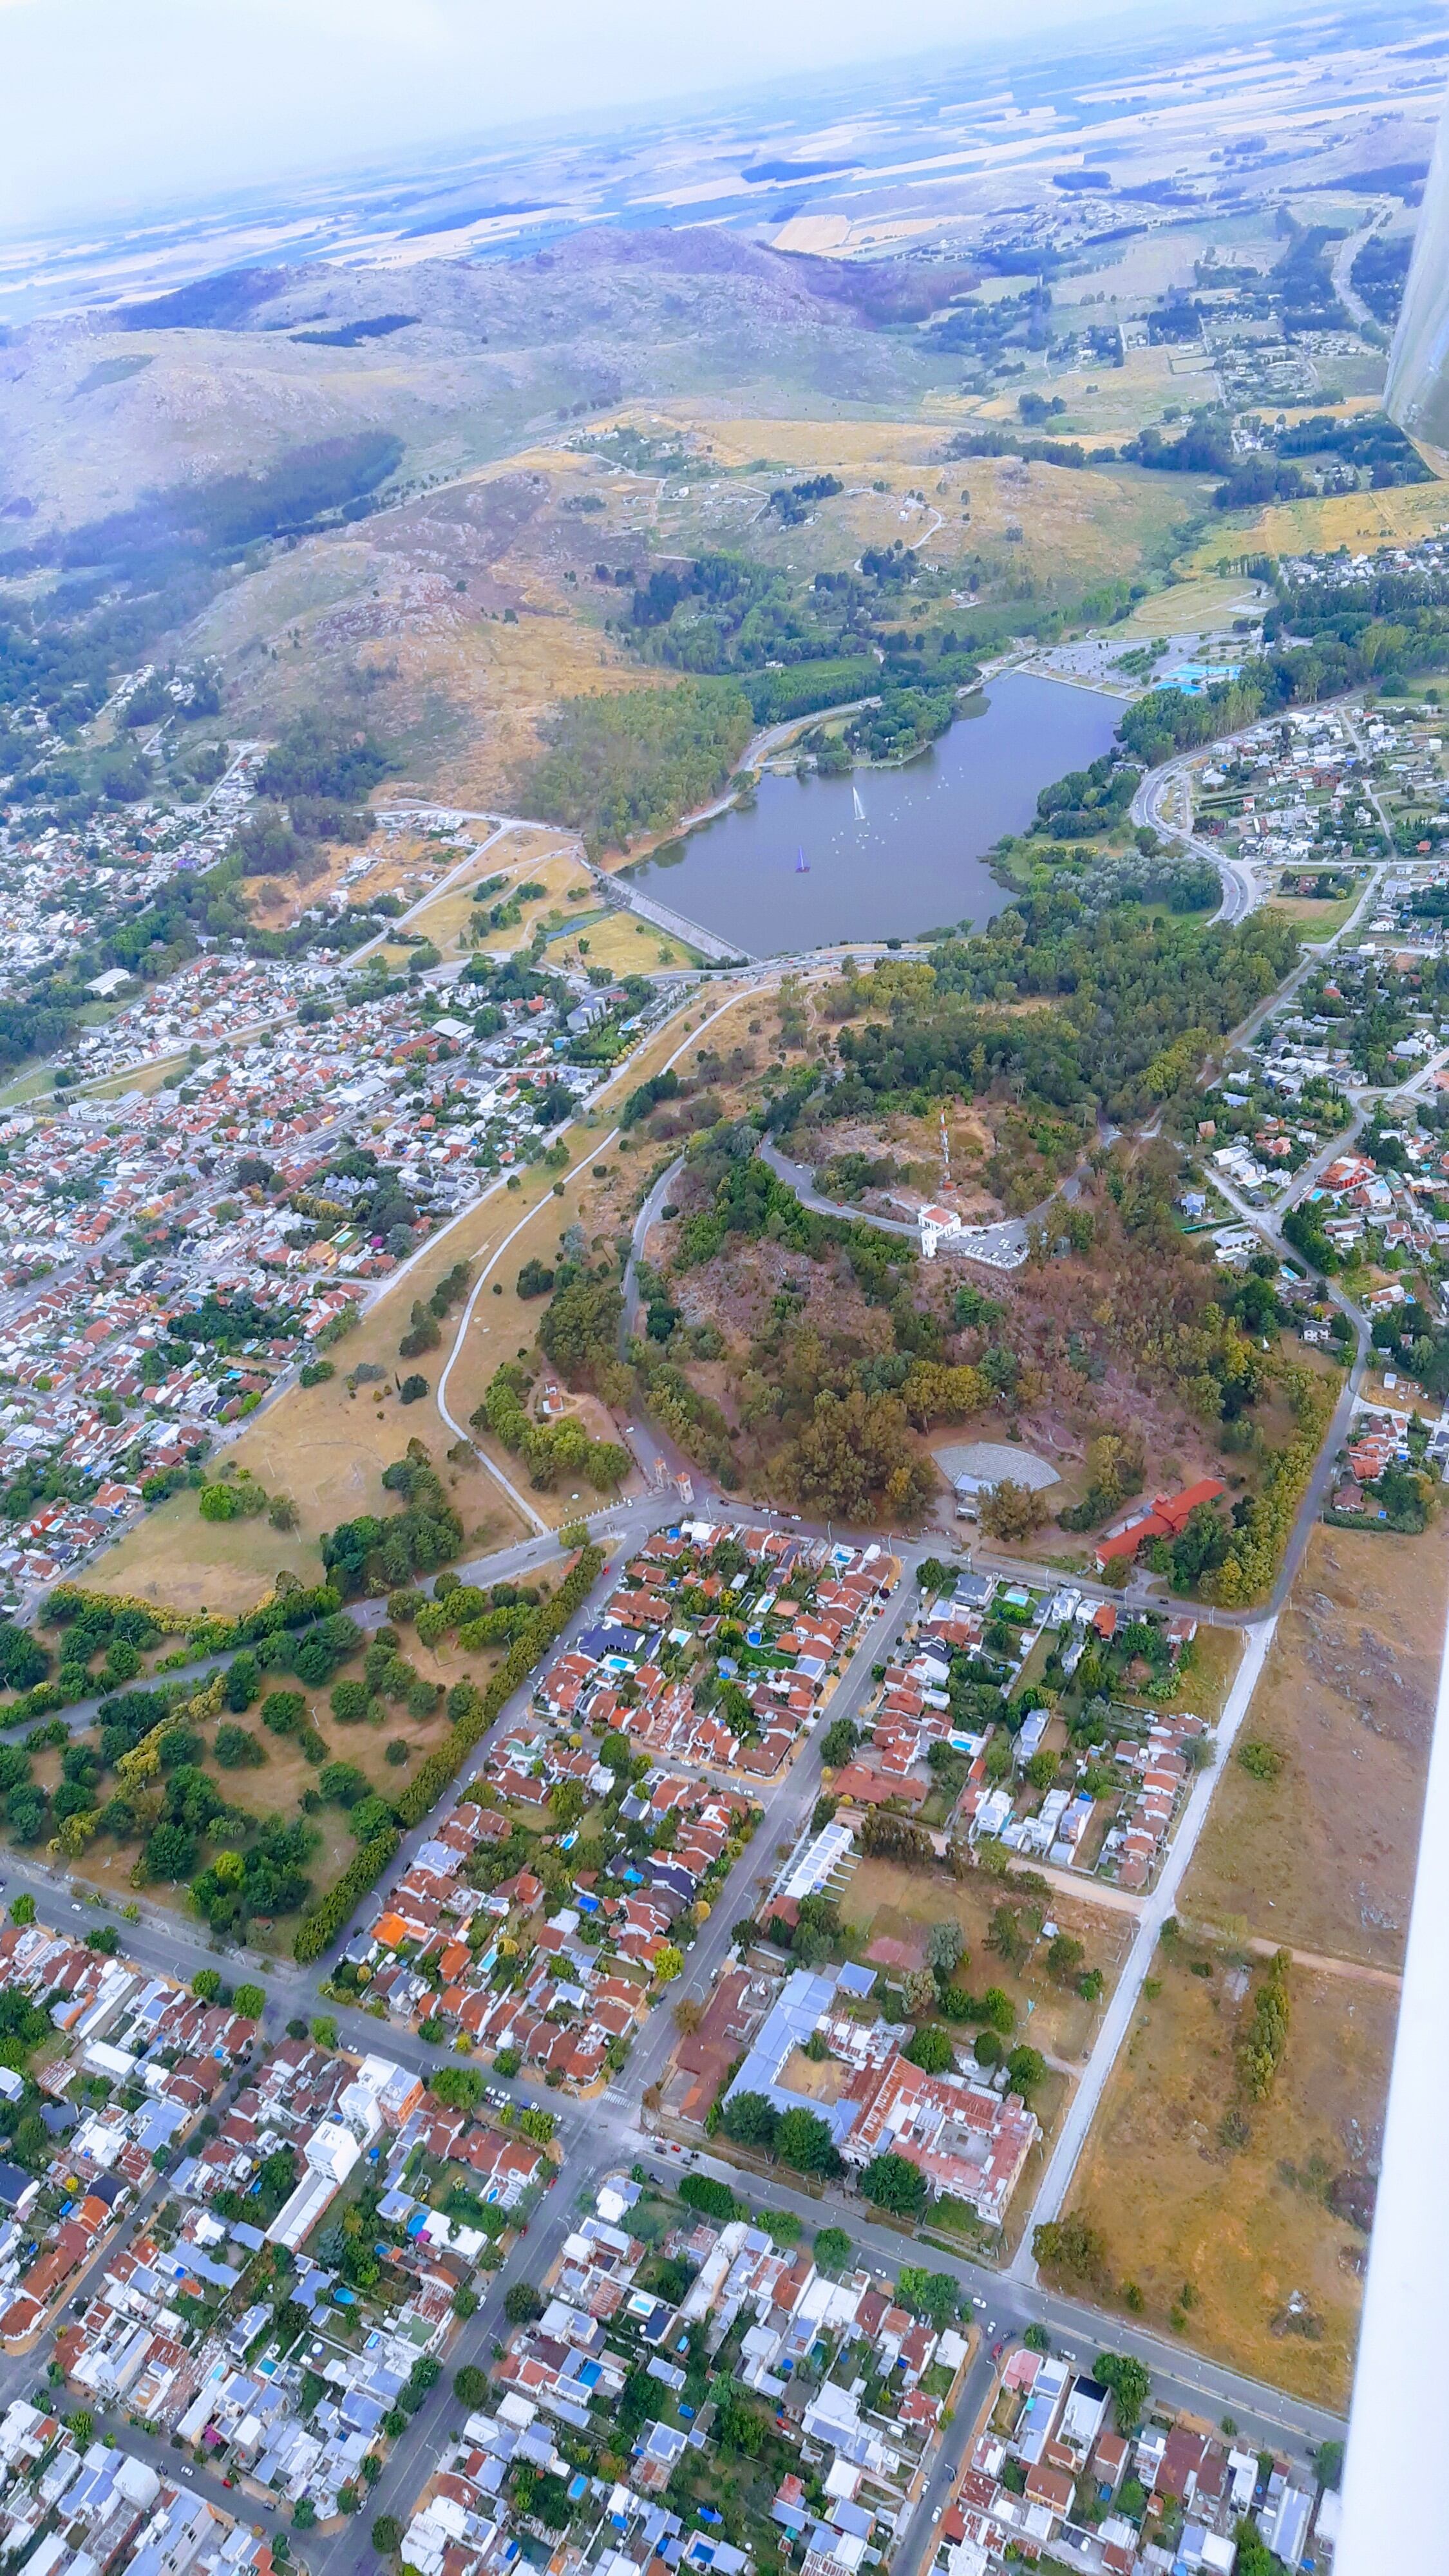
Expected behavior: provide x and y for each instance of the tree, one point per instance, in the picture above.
(1065, 1958)
(522, 2303)
(930, 2049)
(934, 1577)
(750, 2119)
(1011, 1511)
(668, 1964)
(507, 2061)
(1328, 2463)
(26, 1808)
(945, 1945)
(895, 2185)
(304, 2513)
(206, 1985)
(324, 2030)
(711, 2198)
(284, 1712)
(832, 2249)
(838, 1743)
(459, 2087)
(1007, 1936)
(243, 1682)
(387, 2534)
(803, 2140)
(933, 2295)
(170, 1851)
(1130, 2383)
(470, 2385)
(1026, 2069)
(1070, 2249)
(1253, 2556)
(22, 1909)
(250, 2001)
(537, 2125)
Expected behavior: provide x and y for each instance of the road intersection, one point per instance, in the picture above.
(615, 2129)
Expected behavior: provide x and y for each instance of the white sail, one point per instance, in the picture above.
(859, 808)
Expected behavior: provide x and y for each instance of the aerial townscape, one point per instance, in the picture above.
(724, 1307)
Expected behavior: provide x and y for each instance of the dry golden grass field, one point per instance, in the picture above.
(1323, 1856)
(1244, 2229)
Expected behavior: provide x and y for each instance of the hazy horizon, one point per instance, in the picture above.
(179, 101)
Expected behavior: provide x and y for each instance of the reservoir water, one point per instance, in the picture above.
(888, 853)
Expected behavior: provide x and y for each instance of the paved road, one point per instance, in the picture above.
(1002, 1245)
(1343, 260)
(649, 1215)
(596, 2135)
(1164, 800)
(1003, 2304)
(1117, 2020)
(1164, 796)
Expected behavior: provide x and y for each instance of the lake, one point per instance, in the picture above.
(912, 860)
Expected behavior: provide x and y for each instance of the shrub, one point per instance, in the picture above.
(1266, 2037)
(1260, 1761)
(1070, 2250)
(237, 1749)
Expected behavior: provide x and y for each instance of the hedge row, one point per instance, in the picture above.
(423, 1792)
(208, 1634)
(323, 1921)
(172, 1623)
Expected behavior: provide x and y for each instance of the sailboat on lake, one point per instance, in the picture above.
(802, 864)
(859, 808)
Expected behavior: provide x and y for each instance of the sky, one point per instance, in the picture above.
(120, 104)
